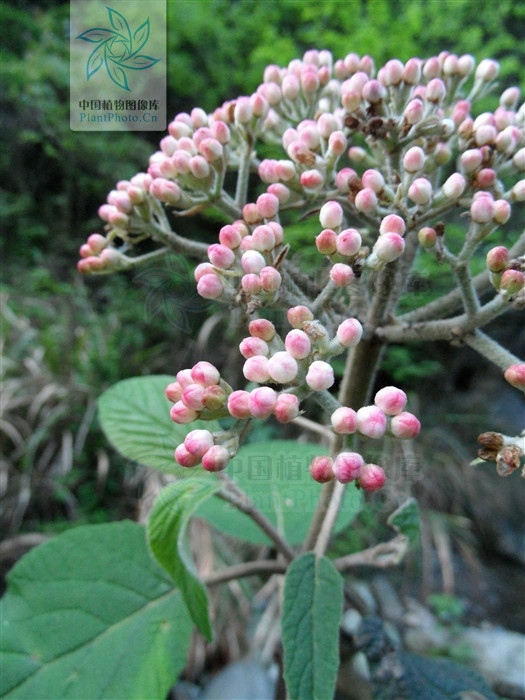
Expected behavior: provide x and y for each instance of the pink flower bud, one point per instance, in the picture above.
(260, 105)
(270, 279)
(238, 404)
(515, 375)
(205, 373)
(371, 421)
(414, 159)
(203, 269)
(413, 112)
(262, 401)
(230, 237)
(389, 247)
(211, 149)
(373, 91)
(251, 284)
(347, 466)
(436, 91)
(393, 72)
(214, 397)
(184, 378)
(485, 135)
(297, 344)
(454, 186)
(321, 469)
(348, 242)
(181, 414)
(282, 367)
(96, 242)
(374, 180)
(221, 132)
(173, 392)
(320, 376)
(298, 315)
(405, 426)
(420, 191)
(519, 160)
(392, 223)
(327, 124)
(331, 215)
(341, 274)
(263, 239)
(242, 112)
(85, 251)
(326, 242)
(366, 201)
(465, 128)
(427, 237)
(412, 71)
(267, 206)
(337, 143)
(497, 259)
(199, 167)
(343, 179)
(221, 256)
(344, 420)
(192, 397)
(349, 332)
(482, 209)
(252, 261)
(197, 442)
(501, 211)
(390, 400)
(185, 458)
(250, 213)
(250, 347)
(372, 477)
(471, 160)
(216, 459)
(290, 87)
(311, 179)
(466, 65)
(512, 282)
(356, 154)
(256, 369)
(487, 70)
(518, 191)
(210, 286)
(280, 191)
(261, 328)
(351, 100)
(286, 408)
(486, 178)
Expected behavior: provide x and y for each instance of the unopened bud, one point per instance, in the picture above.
(405, 426)
(389, 247)
(286, 408)
(238, 404)
(321, 469)
(515, 375)
(282, 367)
(255, 369)
(205, 373)
(414, 159)
(297, 344)
(371, 421)
(320, 376)
(366, 201)
(427, 237)
(512, 282)
(181, 414)
(331, 215)
(197, 442)
(326, 242)
(185, 458)
(262, 328)
(349, 332)
(249, 347)
(298, 315)
(216, 459)
(173, 392)
(344, 420)
(347, 466)
(420, 191)
(341, 274)
(372, 477)
(390, 400)
(262, 402)
(192, 397)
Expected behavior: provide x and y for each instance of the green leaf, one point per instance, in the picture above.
(135, 415)
(405, 520)
(312, 609)
(275, 477)
(167, 538)
(90, 614)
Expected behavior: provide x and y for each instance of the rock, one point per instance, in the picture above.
(246, 680)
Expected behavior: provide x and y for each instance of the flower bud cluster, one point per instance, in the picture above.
(198, 393)
(387, 414)
(506, 275)
(97, 256)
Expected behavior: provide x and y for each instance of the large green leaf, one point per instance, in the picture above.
(167, 538)
(135, 415)
(312, 609)
(91, 614)
(275, 477)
